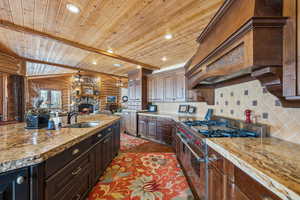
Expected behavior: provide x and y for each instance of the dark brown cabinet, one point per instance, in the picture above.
(82, 168)
(15, 185)
(152, 132)
(62, 185)
(158, 129)
(216, 184)
(226, 181)
(143, 126)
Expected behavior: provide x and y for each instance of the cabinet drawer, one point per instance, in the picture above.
(251, 188)
(99, 136)
(57, 162)
(79, 190)
(79, 170)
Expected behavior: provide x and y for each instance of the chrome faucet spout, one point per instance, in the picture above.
(70, 115)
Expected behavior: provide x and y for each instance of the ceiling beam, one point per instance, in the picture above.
(9, 25)
(50, 76)
(68, 67)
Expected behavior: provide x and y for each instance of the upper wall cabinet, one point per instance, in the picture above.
(171, 86)
(167, 86)
(244, 41)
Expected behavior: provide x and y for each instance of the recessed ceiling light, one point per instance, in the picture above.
(139, 67)
(164, 58)
(117, 65)
(110, 51)
(168, 36)
(94, 62)
(72, 8)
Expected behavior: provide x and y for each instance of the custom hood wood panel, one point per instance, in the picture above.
(243, 41)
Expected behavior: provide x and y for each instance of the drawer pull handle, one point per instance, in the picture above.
(74, 173)
(75, 151)
(20, 180)
(99, 135)
(78, 196)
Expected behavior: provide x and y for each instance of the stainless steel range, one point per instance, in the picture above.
(191, 147)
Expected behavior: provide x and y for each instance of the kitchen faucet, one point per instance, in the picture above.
(70, 115)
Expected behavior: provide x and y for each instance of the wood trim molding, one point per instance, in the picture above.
(214, 20)
(9, 25)
(50, 76)
(4, 82)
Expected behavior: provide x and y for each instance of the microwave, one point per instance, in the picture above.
(152, 108)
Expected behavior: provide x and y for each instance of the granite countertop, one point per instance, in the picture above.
(20, 147)
(273, 162)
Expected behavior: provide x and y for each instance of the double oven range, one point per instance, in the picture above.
(191, 148)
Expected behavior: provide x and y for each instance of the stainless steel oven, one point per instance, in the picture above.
(193, 160)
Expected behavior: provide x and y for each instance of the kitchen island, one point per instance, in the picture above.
(43, 164)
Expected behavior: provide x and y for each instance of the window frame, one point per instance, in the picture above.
(49, 98)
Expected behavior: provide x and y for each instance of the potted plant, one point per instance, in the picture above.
(37, 117)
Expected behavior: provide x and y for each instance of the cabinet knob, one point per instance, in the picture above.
(99, 135)
(20, 180)
(75, 151)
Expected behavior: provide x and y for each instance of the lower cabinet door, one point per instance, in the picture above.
(216, 184)
(152, 130)
(142, 127)
(117, 138)
(99, 161)
(79, 189)
(14, 185)
(107, 150)
(234, 193)
(164, 134)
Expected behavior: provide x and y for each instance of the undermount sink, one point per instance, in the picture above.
(83, 125)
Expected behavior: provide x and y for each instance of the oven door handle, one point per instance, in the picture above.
(191, 150)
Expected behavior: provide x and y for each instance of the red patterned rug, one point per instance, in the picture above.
(142, 176)
(129, 142)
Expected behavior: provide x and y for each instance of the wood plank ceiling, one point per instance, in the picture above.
(131, 28)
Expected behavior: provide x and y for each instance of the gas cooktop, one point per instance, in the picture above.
(219, 128)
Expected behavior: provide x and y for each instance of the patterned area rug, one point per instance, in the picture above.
(129, 142)
(142, 176)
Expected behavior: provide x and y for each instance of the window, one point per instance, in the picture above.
(51, 98)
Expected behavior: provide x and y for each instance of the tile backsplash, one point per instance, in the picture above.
(232, 101)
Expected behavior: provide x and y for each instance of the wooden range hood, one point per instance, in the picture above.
(243, 42)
